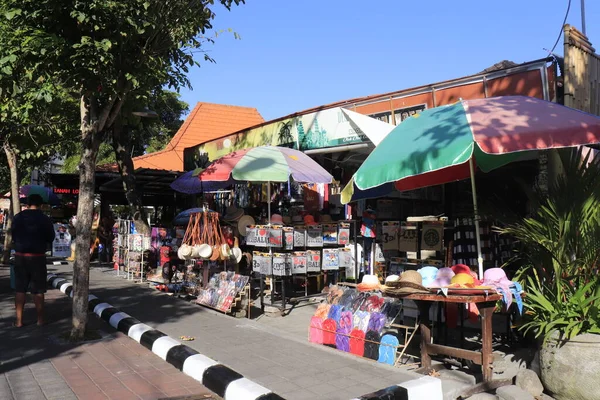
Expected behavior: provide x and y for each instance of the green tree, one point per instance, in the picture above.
(134, 136)
(36, 116)
(105, 51)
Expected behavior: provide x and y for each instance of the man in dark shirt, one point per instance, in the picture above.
(32, 231)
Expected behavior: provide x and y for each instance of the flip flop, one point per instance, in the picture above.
(14, 325)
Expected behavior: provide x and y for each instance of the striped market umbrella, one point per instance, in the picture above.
(266, 164)
(446, 144)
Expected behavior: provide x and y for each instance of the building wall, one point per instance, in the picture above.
(533, 79)
(582, 72)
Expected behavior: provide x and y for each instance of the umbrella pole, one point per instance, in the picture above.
(476, 214)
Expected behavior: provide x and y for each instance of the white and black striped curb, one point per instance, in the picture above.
(218, 378)
(57, 263)
(424, 388)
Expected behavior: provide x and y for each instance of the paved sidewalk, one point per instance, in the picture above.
(278, 360)
(37, 363)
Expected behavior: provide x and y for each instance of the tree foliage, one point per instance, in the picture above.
(105, 51)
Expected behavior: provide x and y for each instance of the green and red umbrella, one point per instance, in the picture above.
(446, 144)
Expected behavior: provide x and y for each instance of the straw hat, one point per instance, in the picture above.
(410, 282)
(243, 223)
(287, 220)
(233, 214)
(297, 219)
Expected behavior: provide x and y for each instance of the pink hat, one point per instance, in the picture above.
(443, 277)
(496, 277)
(464, 269)
(276, 219)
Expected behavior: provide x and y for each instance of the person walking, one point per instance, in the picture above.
(32, 232)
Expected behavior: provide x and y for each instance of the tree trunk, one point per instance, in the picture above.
(85, 215)
(15, 201)
(126, 168)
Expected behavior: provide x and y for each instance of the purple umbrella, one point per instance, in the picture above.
(190, 183)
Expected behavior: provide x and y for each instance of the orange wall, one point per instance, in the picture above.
(528, 83)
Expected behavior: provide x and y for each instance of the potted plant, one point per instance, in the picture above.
(560, 256)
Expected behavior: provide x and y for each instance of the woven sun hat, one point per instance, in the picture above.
(243, 223)
(287, 220)
(462, 279)
(233, 213)
(411, 282)
(297, 219)
(391, 279)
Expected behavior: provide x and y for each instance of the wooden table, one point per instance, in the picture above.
(486, 305)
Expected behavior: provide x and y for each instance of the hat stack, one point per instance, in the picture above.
(410, 282)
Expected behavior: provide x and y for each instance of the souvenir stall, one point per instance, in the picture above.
(449, 144)
(277, 165)
(131, 251)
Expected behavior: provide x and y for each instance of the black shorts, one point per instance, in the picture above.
(30, 274)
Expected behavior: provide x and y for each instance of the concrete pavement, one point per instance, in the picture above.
(38, 363)
(278, 359)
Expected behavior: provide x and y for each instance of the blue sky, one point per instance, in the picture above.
(297, 54)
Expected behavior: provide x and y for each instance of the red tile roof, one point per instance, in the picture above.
(206, 122)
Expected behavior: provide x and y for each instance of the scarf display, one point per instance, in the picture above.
(346, 320)
(323, 311)
(335, 313)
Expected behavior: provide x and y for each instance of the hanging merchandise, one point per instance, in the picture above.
(343, 233)
(409, 242)
(281, 264)
(345, 262)
(313, 261)
(314, 236)
(330, 234)
(330, 260)
(61, 246)
(275, 236)
(299, 262)
(288, 238)
(367, 229)
(257, 235)
(262, 263)
(299, 236)
(432, 236)
(389, 233)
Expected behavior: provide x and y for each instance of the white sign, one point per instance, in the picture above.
(61, 247)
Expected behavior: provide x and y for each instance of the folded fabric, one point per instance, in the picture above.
(361, 320)
(513, 291)
(346, 320)
(335, 313)
(323, 311)
(357, 342)
(387, 349)
(329, 328)
(376, 322)
(315, 334)
(372, 340)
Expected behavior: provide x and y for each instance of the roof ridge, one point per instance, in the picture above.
(183, 128)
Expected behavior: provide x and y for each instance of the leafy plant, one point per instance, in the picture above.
(560, 251)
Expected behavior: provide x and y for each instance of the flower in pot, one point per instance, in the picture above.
(560, 256)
